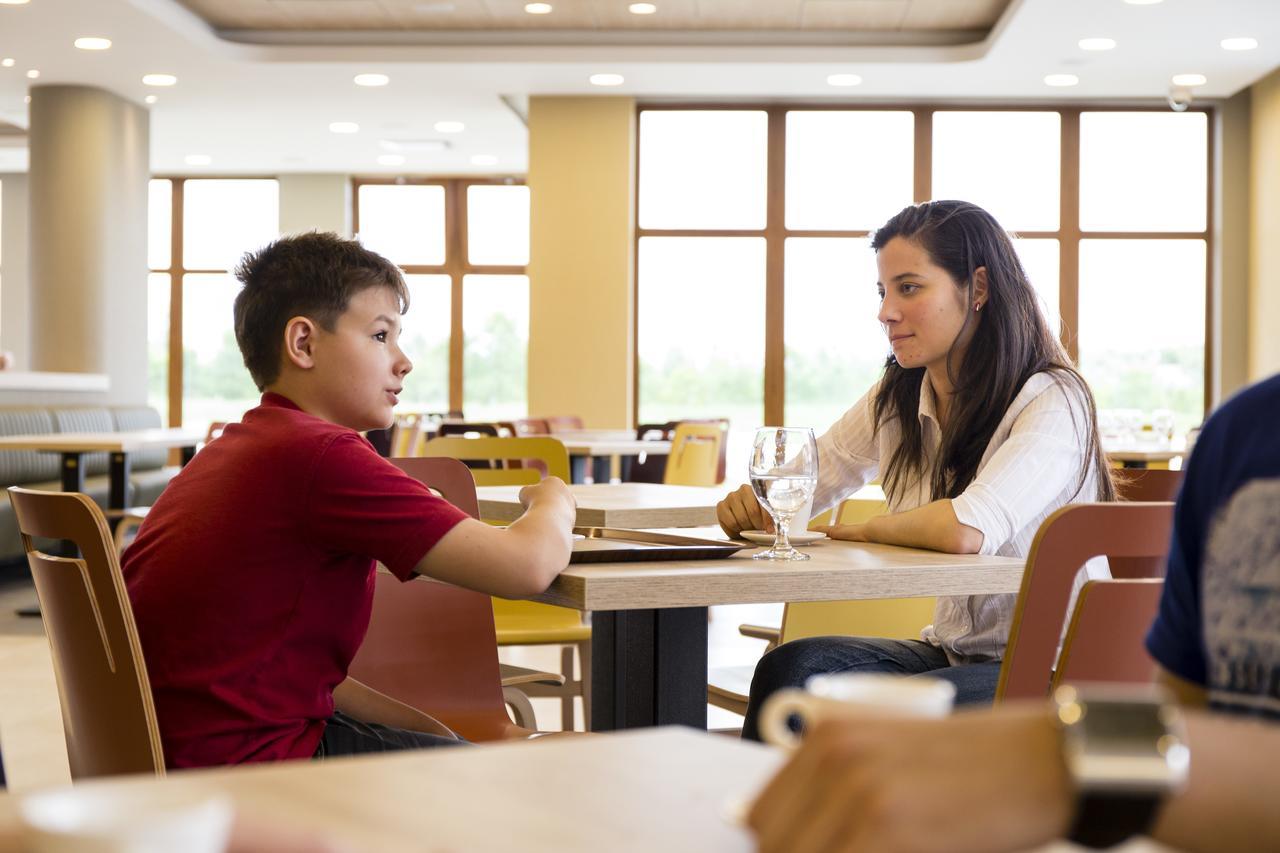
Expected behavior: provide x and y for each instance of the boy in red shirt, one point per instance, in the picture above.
(252, 577)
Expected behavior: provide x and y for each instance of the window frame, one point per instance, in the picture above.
(1068, 234)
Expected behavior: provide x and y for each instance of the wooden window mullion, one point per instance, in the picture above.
(775, 388)
(176, 272)
(1069, 229)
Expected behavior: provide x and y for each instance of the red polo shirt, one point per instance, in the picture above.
(252, 581)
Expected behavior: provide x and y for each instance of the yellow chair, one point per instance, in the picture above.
(695, 455)
(892, 618)
(528, 623)
(404, 435)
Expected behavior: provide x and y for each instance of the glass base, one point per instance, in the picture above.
(777, 552)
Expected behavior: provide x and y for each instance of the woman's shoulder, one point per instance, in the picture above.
(1055, 388)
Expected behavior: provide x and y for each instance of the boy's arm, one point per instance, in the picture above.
(515, 562)
(367, 705)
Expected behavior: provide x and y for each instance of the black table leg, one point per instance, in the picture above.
(72, 471)
(649, 668)
(118, 498)
(189, 453)
(578, 469)
(624, 468)
(602, 467)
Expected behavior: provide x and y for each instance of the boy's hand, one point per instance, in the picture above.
(741, 511)
(550, 491)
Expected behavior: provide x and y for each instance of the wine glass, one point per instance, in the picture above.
(784, 474)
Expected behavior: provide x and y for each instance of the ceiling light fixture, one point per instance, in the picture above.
(7, 62)
(538, 8)
(1189, 80)
(413, 146)
(1097, 44)
(344, 127)
(159, 80)
(92, 43)
(1242, 43)
(33, 74)
(449, 127)
(390, 159)
(197, 159)
(843, 80)
(14, 2)
(1143, 2)
(606, 79)
(150, 99)
(483, 160)
(1060, 80)
(371, 80)
(642, 8)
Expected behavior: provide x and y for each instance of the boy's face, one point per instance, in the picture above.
(359, 366)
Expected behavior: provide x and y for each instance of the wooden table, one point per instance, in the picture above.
(73, 445)
(655, 790)
(598, 447)
(629, 505)
(649, 620)
(1133, 458)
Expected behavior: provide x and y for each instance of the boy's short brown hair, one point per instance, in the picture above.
(310, 275)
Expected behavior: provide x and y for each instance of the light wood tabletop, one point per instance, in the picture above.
(86, 442)
(665, 789)
(836, 571)
(628, 505)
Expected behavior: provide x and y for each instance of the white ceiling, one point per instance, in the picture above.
(264, 108)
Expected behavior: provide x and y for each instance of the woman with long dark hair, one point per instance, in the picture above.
(980, 428)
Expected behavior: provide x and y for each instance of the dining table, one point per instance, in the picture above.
(72, 446)
(628, 505)
(594, 451)
(649, 619)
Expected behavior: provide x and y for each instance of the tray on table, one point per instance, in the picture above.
(615, 545)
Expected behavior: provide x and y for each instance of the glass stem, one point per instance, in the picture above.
(782, 542)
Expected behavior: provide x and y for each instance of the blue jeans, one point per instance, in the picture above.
(791, 664)
(345, 735)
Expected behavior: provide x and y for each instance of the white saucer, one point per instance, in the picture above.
(807, 537)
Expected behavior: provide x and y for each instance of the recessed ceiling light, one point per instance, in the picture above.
(1143, 2)
(843, 80)
(150, 99)
(449, 127)
(1097, 44)
(1061, 80)
(390, 159)
(33, 74)
(197, 159)
(1189, 80)
(538, 8)
(642, 8)
(26, 99)
(413, 146)
(372, 79)
(14, 2)
(7, 62)
(607, 79)
(344, 127)
(483, 160)
(159, 80)
(92, 43)
(1244, 43)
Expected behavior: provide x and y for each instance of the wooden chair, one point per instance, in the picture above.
(1147, 484)
(563, 423)
(454, 428)
(530, 426)
(1107, 633)
(892, 618)
(1138, 533)
(653, 467)
(405, 435)
(695, 455)
(528, 623)
(107, 711)
(432, 645)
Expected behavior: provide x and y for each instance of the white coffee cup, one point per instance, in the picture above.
(851, 694)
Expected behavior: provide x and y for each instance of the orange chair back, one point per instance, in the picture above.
(107, 711)
(1147, 484)
(432, 645)
(1065, 541)
(1105, 640)
(563, 423)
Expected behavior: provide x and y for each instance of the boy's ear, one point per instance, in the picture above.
(299, 342)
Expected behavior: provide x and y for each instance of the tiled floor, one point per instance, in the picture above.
(31, 738)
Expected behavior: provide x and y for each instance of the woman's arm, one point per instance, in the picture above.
(933, 526)
(361, 701)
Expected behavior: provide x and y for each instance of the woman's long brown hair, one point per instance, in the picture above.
(1011, 344)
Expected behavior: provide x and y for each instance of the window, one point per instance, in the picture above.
(779, 259)
(463, 245)
(195, 371)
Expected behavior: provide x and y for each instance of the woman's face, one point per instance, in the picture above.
(921, 308)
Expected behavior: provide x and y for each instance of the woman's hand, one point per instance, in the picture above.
(741, 511)
(847, 532)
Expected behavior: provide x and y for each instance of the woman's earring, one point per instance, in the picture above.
(977, 306)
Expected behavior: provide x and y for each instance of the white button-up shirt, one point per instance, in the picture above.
(1030, 468)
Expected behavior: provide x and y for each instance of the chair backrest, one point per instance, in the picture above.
(723, 423)
(892, 618)
(404, 435)
(477, 429)
(695, 455)
(1065, 541)
(563, 423)
(1147, 484)
(432, 645)
(1105, 639)
(107, 710)
(530, 426)
(652, 467)
(550, 451)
